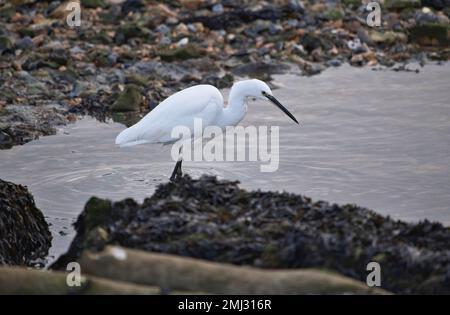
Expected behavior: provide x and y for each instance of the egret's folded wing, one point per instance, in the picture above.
(202, 101)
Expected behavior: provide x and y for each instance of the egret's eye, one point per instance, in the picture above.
(264, 93)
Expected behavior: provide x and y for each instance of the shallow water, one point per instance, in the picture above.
(380, 139)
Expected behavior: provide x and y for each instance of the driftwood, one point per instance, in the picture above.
(182, 273)
(18, 280)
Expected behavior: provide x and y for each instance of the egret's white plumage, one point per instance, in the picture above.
(180, 109)
(203, 102)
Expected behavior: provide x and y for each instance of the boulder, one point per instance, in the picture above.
(25, 237)
(431, 34)
(129, 100)
(216, 220)
(189, 51)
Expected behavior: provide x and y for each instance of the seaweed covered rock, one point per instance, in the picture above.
(24, 234)
(431, 34)
(217, 221)
(129, 100)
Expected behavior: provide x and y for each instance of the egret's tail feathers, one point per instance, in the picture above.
(132, 143)
(128, 138)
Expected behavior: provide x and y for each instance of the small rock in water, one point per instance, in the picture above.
(334, 62)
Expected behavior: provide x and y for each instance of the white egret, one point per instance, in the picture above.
(203, 102)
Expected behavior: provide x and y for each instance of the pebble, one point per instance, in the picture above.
(25, 43)
(163, 29)
(218, 8)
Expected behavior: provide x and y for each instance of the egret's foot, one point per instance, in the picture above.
(177, 173)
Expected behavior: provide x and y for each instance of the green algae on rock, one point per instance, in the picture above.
(402, 4)
(5, 44)
(93, 3)
(129, 100)
(430, 34)
(188, 51)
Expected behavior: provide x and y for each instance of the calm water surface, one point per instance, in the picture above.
(380, 139)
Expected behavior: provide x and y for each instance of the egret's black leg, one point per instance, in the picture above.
(177, 173)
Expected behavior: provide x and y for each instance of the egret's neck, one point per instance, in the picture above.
(236, 108)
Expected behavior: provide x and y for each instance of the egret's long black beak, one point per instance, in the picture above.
(278, 104)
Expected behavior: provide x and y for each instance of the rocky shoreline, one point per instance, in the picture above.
(129, 55)
(125, 58)
(217, 221)
(275, 235)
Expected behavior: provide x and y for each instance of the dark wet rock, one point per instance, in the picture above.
(334, 62)
(102, 58)
(223, 82)
(132, 6)
(6, 140)
(21, 124)
(129, 100)
(188, 51)
(130, 30)
(96, 104)
(7, 12)
(297, 6)
(402, 4)
(5, 44)
(260, 70)
(352, 3)
(311, 68)
(238, 17)
(436, 4)
(218, 221)
(25, 43)
(36, 61)
(334, 14)
(387, 38)
(93, 3)
(24, 234)
(137, 80)
(430, 34)
(163, 29)
(311, 41)
(60, 57)
(126, 118)
(363, 36)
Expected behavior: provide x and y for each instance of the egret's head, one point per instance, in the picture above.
(254, 89)
(258, 89)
